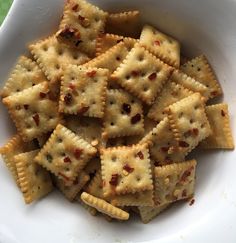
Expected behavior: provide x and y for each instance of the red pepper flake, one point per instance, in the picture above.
(114, 180)
(222, 113)
(185, 175)
(135, 73)
(82, 110)
(128, 168)
(195, 131)
(68, 98)
(91, 74)
(77, 153)
(152, 76)
(71, 86)
(183, 144)
(81, 18)
(140, 155)
(67, 159)
(192, 202)
(184, 193)
(136, 118)
(126, 108)
(26, 106)
(157, 42)
(164, 149)
(64, 176)
(42, 95)
(36, 119)
(214, 93)
(75, 7)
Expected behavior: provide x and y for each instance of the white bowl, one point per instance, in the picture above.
(202, 26)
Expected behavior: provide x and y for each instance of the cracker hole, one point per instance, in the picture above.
(17, 107)
(181, 114)
(143, 74)
(141, 58)
(57, 66)
(60, 52)
(138, 178)
(39, 187)
(127, 77)
(132, 101)
(59, 140)
(145, 88)
(75, 57)
(96, 19)
(45, 48)
(112, 123)
(113, 158)
(203, 125)
(63, 154)
(196, 107)
(191, 121)
(118, 58)
(17, 90)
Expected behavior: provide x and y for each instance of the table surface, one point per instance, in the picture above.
(4, 7)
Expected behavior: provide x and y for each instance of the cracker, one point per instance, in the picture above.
(70, 192)
(124, 23)
(25, 74)
(142, 74)
(189, 83)
(77, 91)
(174, 182)
(90, 209)
(65, 154)
(162, 145)
(104, 207)
(110, 59)
(88, 128)
(123, 115)
(199, 69)
(148, 213)
(15, 145)
(81, 24)
(189, 122)
(95, 188)
(35, 181)
(170, 94)
(32, 111)
(126, 170)
(221, 137)
(106, 41)
(53, 57)
(161, 45)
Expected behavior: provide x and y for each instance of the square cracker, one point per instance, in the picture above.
(189, 122)
(35, 181)
(32, 111)
(221, 137)
(126, 170)
(200, 69)
(124, 23)
(25, 74)
(77, 94)
(174, 182)
(65, 154)
(189, 83)
(15, 145)
(70, 192)
(106, 41)
(53, 57)
(170, 94)
(162, 145)
(161, 45)
(110, 59)
(144, 198)
(142, 74)
(123, 115)
(87, 128)
(82, 22)
(104, 207)
(148, 213)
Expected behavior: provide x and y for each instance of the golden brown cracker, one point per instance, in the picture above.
(142, 74)
(174, 182)
(35, 181)
(77, 91)
(65, 154)
(126, 170)
(221, 137)
(32, 111)
(165, 47)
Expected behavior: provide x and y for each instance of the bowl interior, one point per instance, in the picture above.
(198, 27)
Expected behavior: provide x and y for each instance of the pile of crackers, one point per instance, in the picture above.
(108, 115)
